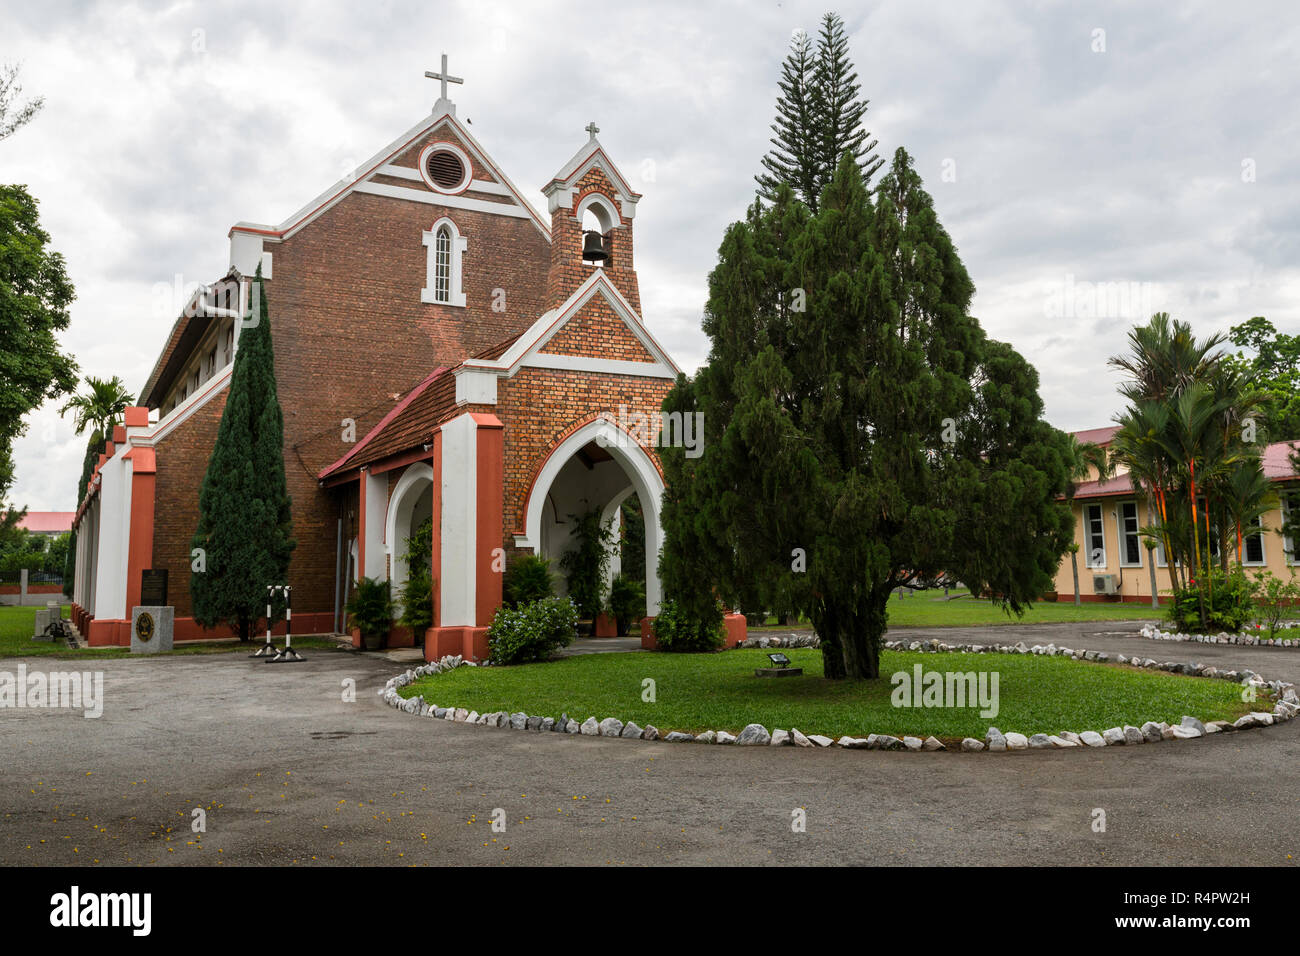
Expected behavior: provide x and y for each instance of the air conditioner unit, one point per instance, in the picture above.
(1105, 584)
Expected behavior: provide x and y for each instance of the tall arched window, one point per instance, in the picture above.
(444, 245)
(442, 266)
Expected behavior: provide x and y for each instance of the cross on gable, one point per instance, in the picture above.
(592, 128)
(444, 77)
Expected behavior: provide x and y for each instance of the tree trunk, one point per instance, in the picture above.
(857, 633)
(1074, 564)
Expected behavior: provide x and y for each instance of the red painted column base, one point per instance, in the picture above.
(470, 643)
(604, 626)
(737, 627)
(648, 642)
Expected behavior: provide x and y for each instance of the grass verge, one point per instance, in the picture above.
(696, 692)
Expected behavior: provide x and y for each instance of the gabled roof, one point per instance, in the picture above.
(376, 164)
(412, 422)
(527, 347)
(1097, 436)
(590, 156)
(46, 522)
(1275, 460)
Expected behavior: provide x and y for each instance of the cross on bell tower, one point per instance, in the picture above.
(444, 77)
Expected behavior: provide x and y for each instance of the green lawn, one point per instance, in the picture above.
(16, 641)
(696, 692)
(930, 609)
(959, 609)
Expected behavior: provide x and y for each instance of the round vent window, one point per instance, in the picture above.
(445, 168)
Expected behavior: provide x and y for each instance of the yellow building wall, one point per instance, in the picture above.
(1135, 582)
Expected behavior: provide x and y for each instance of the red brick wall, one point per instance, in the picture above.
(567, 270)
(182, 458)
(598, 331)
(541, 407)
(350, 332)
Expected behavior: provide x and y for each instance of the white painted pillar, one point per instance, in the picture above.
(609, 518)
(459, 522)
(114, 524)
(376, 508)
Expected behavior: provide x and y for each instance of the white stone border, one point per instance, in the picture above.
(1286, 707)
(1153, 633)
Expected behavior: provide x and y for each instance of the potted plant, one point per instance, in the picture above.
(371, 610)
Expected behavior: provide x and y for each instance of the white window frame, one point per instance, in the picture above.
(1121, 534)
(455, 294)
(1288, 545)
(1258, 534)
(1087, 537)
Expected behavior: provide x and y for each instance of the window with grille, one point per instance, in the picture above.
(1130, 540)
(442, 267)
(444, 248)
(1095, 536)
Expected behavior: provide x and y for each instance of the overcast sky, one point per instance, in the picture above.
(1150, 148)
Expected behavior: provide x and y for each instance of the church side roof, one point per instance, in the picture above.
(403, 427)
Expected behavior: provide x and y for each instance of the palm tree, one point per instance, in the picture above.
(101, 406)
(1248, 495)
(1084, 458)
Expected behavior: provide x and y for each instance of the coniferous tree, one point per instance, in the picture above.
(245, 528)
(860, 431)
(794, 159)
(841, 111)
(818, 117)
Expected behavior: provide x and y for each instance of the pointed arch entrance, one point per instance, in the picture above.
(597, 466)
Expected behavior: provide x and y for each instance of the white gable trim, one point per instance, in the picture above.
(442, 199)
(590, 155)
(384, 158)
(526, 352)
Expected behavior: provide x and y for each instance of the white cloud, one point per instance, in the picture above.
(1123, 166)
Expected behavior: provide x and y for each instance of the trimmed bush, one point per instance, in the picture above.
(532, 632)
(527, 579)
(675, 629)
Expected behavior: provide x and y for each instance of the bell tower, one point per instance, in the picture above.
(592, 207)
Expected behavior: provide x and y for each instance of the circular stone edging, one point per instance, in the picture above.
(1286, 707)
(1153, 633)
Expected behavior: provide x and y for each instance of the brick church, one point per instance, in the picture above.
(441, 351)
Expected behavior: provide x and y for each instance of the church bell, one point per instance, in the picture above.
(593, 247)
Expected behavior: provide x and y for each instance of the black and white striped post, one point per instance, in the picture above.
(288, 654)
(267, 650)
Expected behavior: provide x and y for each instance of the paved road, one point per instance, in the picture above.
(290, 772)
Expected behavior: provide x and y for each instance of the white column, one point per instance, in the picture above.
(459, 520)
(609, 518)
(376, 509)
(114, 524)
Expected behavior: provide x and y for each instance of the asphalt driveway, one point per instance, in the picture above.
(287, 771)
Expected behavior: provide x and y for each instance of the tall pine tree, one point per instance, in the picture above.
(860, 430)
(245, 530)
(794, 159)
(840, 110)
(818, 118)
